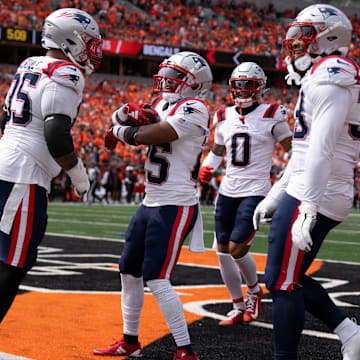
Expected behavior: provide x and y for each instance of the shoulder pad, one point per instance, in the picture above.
(271, 110)
(156, 101)
(189, 106)
(219, 115)
(336, 70)
(66, 74)
(194, 107)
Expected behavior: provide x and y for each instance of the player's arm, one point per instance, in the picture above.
(281, 130)
(3, 118)
(159, 133)
(59, 107)
(211, 162)
(328, 122)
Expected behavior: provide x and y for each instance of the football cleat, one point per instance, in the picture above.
(252, 306)
(183, 355)
(121, 348)
(234, 316)
(351, 349)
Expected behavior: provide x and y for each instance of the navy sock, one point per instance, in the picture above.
(319, 304)
(188, 349)
(288, 319)
(131, 339)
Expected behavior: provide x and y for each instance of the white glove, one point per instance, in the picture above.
(264, 211)
(302, 227)
(120, 115)
(79, 178)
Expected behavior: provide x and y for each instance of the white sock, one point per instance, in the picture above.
(172, 309)
(247, 266)
(232, 279)
(345, 330)
(132, 300)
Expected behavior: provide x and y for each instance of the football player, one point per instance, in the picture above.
(40, 108)
(315, 193)
(246, 133)
(170, 210)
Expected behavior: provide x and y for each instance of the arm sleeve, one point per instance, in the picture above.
(279, 188)
(218, 137)
(281, 131)
(186, 128)
(331, 106)
(58, 99)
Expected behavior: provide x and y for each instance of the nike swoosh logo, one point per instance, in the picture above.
(342, 62)
(191, 103)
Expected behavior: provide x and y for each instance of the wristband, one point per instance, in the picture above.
(118, 132)
(212, 160)
(130, 135)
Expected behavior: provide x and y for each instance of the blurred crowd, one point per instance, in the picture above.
(118, 176)
(216, 24)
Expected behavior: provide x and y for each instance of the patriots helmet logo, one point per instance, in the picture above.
(327, 12)
(334, 70)
(82, 19)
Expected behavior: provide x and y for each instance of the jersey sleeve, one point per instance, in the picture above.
(190, 116)
(66, 74)
(336, 70)
(281, 129)
(63, 93)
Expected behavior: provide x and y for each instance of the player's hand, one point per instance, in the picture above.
(79, 178)
(110, 140)
(264, 211)
(135, 115)
(302, 227)
(205, 174)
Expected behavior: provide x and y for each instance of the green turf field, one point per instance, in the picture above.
(110, 221)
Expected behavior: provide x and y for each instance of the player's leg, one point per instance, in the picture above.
(22, 227)
(317, 300)
(240, 242)
(10, 279)
(132, 294)
(167, 228)
(281, 278)
(225, 213)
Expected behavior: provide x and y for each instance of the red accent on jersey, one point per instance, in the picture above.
(334, 57)
(156, 101)
(271, 110)
(57, 64)
(220, 114)
(172, 112)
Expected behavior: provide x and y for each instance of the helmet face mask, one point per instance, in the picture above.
(185, 74)
(247, 84)
(75, 33)
(318, 30)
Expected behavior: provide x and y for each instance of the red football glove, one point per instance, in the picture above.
(205, 174)
(110, 140)
(140, 114)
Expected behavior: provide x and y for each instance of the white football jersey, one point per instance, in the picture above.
(249, 145)
(171, 169)
(326, 141)
(42, 86)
